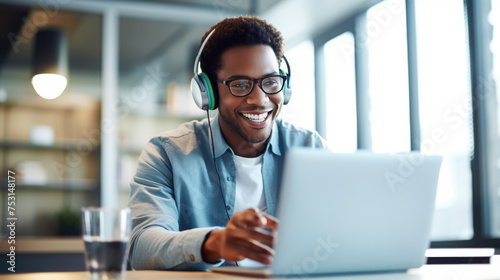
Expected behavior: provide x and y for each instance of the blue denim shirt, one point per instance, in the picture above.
(175, 194)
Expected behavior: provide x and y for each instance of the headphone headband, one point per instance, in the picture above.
(197, 60)
(201, 89)
(288, 70)
(288, 90)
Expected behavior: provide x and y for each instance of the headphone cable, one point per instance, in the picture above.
(216, 170)
(215, 164)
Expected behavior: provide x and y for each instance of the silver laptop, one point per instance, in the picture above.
(349, 213)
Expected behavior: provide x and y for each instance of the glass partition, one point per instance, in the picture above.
(156, 66)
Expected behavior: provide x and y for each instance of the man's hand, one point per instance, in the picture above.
(243, 237)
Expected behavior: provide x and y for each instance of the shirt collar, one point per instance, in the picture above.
(273, 144)
(221, 145)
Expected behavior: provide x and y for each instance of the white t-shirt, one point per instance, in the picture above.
(249, 190)
(249, 184)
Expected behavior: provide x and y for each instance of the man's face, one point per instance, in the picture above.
(249, 119)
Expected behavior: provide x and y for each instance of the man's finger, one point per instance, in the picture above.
(249, 218)
(271, 222)
(252, 250)
(257, 234)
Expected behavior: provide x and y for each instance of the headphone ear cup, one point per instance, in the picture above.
(210, 93)
(203, 93)
(287, 88)
(284, 86)
(215, 94)
(198, 90)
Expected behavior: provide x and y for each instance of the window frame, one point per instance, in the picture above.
(363, 125)
(320, 69)
(476, 16)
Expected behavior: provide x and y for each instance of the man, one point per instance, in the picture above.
(202, 195)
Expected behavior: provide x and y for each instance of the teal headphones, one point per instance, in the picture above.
(205, 93)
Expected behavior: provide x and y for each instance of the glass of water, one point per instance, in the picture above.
(106, 234)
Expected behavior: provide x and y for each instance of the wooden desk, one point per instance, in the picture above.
(427, 272)
(131, 275)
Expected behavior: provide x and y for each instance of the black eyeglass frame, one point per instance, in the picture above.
(254, 81)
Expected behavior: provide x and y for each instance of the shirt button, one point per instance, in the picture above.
(228, 178)
(228, 207)
(191, 257)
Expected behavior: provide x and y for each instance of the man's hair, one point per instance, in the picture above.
(234, 32)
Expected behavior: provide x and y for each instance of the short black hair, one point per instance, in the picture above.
(237, 31)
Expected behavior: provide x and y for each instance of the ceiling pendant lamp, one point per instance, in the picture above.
(50, 63)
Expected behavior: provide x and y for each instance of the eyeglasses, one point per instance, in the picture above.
(241, 87)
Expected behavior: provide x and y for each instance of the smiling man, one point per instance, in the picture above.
(204, 193)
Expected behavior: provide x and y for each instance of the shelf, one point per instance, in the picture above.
(46, 245)
(67, 101)
(65, 184)
(69, 145)
(63, 170)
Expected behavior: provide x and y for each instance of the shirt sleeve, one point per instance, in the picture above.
(156, 242)
(318, 141)
(158, 248)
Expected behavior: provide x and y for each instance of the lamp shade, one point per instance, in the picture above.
(50, 63)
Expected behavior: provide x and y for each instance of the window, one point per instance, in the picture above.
(340, 93)
(301, 109)
(494, 120)
(388, 76)
(424, 90)
(445, 111)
